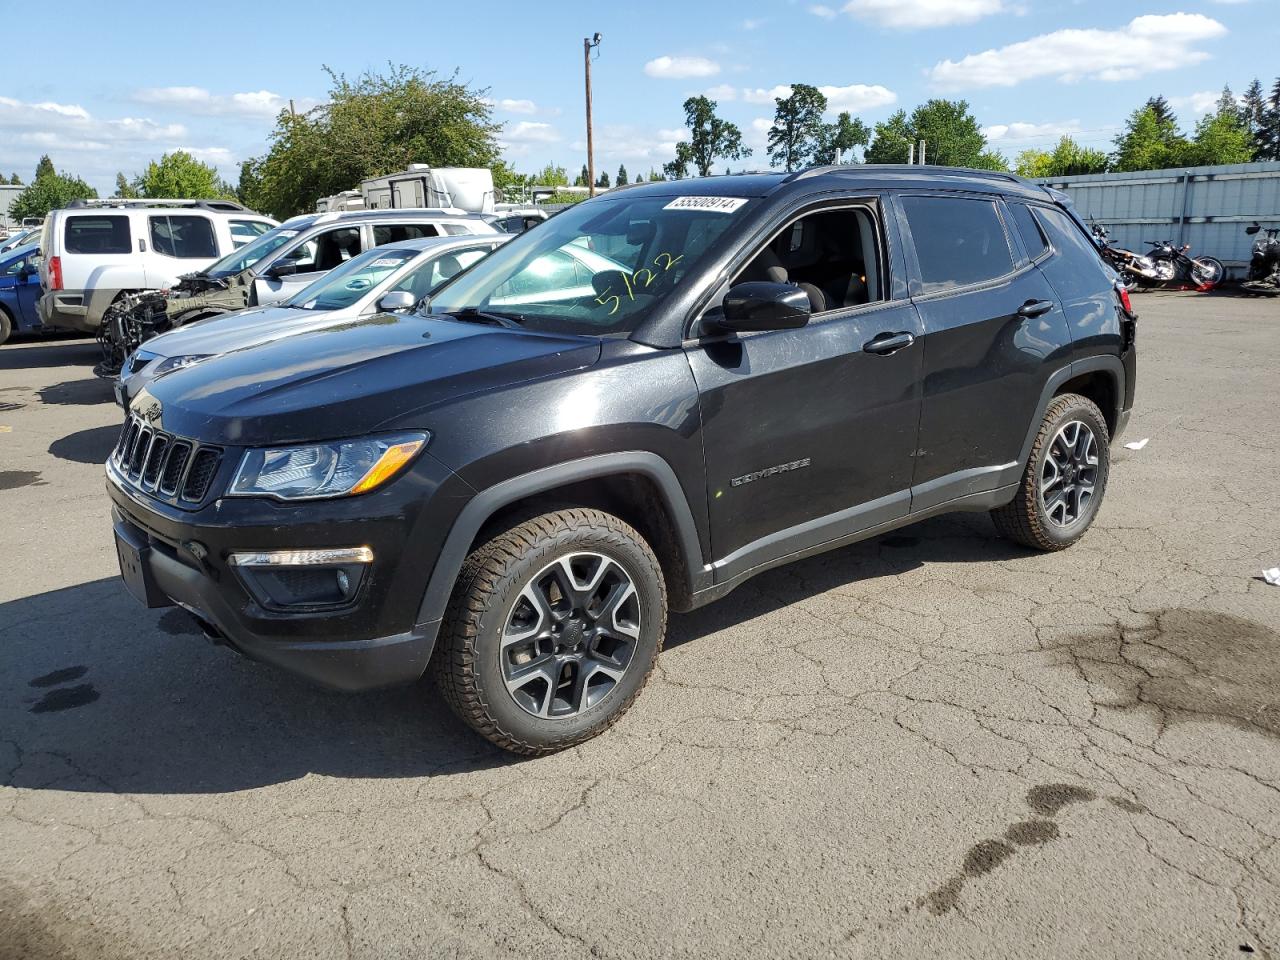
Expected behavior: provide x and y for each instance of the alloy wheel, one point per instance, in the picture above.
(570, 636)
(1069, 473)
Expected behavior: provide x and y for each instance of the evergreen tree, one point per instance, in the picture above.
(15, 180)
(583, 179)
(1164, 113)
(797, 133)
(124, 189)
(639, 178)
(603, 179)
(44, 168)
(1254, 107)
(1267, 137)
(622, 179)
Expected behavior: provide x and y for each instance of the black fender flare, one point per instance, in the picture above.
(1105, 363)
(489, 501)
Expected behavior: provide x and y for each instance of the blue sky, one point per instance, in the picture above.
(128, 81)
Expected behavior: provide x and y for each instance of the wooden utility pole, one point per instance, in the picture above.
(587, 44)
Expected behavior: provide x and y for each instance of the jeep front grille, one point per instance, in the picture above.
(171, 468)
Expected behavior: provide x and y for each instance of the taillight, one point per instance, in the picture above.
(55, 273)
(1123, 293)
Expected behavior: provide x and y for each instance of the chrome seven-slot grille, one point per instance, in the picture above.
(160, 463)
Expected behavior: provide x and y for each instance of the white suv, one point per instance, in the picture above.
(93, 251)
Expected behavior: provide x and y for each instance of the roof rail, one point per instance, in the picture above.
(901, 168)
(225, 206)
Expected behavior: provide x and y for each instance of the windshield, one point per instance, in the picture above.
(598, 268)
(348, 283)
(246, 256)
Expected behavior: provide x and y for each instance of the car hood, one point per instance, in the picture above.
(350, 379)
(236, 331)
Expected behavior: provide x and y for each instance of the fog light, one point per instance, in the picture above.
(344, 582)
(293, 579)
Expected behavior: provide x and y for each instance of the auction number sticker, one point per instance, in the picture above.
(714, 204)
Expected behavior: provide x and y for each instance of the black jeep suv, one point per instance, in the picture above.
(650, 398)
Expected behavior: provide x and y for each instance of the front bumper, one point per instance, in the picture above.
(373, 641)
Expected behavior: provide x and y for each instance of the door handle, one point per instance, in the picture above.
(886, 343)
(1035, 308)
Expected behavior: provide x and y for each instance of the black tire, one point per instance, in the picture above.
(6, 326)
(1025, 519)
(469, 662)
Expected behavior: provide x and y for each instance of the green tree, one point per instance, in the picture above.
(376, 124)
(797, 133)
(15, 180)
(552, 175)
(1267, 138)
(1150, 141)
(1253, 108)
(124, 189)
(639, 178)
(891, 139)
(1164, 113)
(53, 191)
(179, 175)
(622, 179)
(603, 179)
(840, 138)
(1221, 136)
(1033, 164)
(656, 175)
(583, 179)
(951, 134)
(710, 138)
(1066, 159)
(44, 168)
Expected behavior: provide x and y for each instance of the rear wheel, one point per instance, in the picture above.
(552, 630)
(6, 326)
(1065, 478)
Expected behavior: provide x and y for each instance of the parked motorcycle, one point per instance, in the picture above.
(1264, 265)
(1166, 265)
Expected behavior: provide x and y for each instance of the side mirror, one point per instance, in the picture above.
(1253, 228)
(396, 301)
(763, 305)
(282, 269)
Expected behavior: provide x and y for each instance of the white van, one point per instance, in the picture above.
(95, 250)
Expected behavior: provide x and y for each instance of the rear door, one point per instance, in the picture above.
(176, 244)
(992, 328)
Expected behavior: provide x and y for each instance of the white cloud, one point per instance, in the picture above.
(531, 131)
(258, 103)
(760, 95)
(676, 68)
(637, 147)
(854, 97)
(754, 23)
(857, 96)
(823, 11)
(1146, 44)
(69, 123)
(1198, 103)
(1030, 131)
(908, 14)
(756, 136)
(723, 91)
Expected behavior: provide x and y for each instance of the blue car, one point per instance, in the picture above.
(19, 291)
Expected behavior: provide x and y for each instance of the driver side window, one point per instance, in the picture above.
(832, 255)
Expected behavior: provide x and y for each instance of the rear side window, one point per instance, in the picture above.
(1033, 238)
(183, 236)
(90, 234)
(958, 241)
(384, 233)
(243, 231)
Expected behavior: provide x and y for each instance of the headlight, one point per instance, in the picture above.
(341, 468)
(169, 364)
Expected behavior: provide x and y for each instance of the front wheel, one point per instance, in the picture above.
(552, 630)
(6, 326)
(1207, 272)
(1065, 478)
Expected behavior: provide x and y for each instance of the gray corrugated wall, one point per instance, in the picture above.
(1208, 207)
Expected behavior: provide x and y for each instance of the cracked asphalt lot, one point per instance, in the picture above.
(932, 743)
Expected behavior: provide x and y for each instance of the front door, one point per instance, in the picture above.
(809, 433)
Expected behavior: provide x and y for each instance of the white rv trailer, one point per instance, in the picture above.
(468, 188)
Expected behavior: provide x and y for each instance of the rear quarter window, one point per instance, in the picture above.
(97, 234)
(958, 241)
(1033, 238)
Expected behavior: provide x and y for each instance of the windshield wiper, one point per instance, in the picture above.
(472, 315)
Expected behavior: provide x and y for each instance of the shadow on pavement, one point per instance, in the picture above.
(98, 694)
(60, 352)
(87, 446)
(78, 392)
